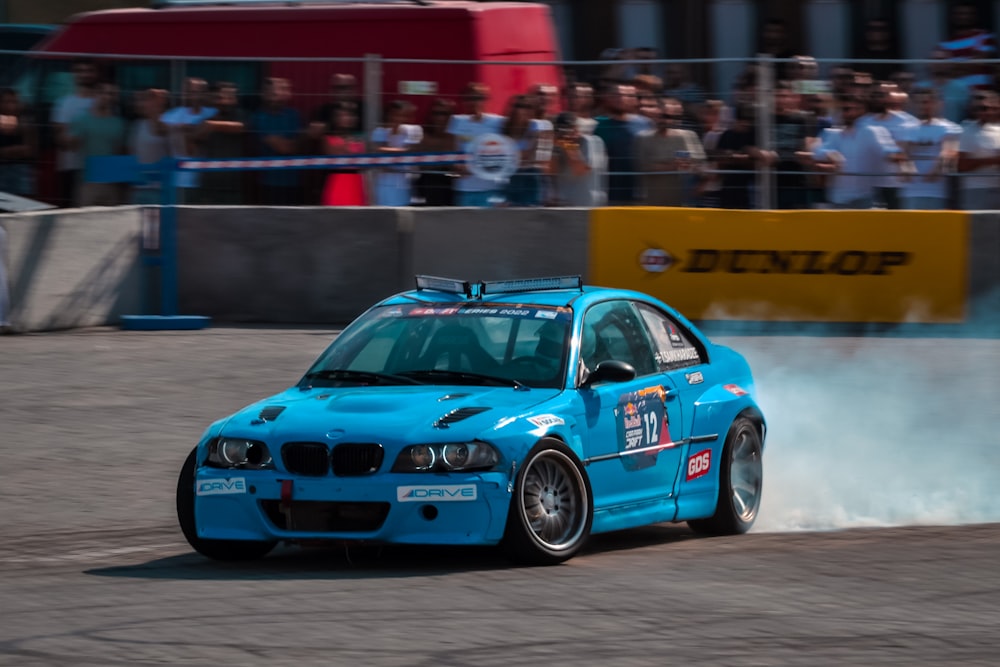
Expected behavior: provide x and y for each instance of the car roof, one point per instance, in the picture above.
(573, 298)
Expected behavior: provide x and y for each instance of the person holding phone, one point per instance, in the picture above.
(669, 158)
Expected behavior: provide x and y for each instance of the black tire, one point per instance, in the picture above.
(739, 500)
(226, 550)
(552, 508)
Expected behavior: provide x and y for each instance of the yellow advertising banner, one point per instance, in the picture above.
(808, 266)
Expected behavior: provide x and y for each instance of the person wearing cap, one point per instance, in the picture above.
(579, 165)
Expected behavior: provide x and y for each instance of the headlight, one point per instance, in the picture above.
(238, 453)
(453, 456)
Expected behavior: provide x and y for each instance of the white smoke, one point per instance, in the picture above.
(877, 431)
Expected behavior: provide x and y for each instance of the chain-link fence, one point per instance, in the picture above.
(636, 132)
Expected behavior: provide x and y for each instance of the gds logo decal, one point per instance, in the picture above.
(699, 464)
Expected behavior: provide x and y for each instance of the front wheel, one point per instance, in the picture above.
(227, 550)
(740, 482)
(552, 508)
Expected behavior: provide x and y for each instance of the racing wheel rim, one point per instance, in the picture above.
(746, 475)
(554, 500)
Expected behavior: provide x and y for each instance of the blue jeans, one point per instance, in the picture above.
(481, 199)
(525, 187)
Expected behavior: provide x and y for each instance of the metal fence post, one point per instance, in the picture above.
(765, 128)
(373, 93)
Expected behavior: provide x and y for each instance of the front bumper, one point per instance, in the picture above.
(432, 508)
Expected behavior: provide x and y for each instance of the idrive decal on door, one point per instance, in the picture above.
(643, 427)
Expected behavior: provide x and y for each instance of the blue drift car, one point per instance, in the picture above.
(525, 413)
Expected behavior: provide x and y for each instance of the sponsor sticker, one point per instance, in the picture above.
(735, 389)
(694, 378)
(676, 356)
(546, 314)
(440, 494)
(221, 487)
(642, 423)
(699, 464)
(433, 311)
(674, 335)
(546, 420)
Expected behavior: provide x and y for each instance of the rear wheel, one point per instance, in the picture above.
(552, 508)
(740, 482)
(228, 550)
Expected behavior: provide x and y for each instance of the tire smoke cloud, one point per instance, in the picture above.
(877, 431)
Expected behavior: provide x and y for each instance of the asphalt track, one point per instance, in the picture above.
(95, 424)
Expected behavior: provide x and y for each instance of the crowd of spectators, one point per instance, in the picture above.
(639, 132)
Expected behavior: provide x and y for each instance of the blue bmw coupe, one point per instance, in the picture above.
(523, 413)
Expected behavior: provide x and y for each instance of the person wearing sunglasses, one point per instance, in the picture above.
(668, 157)
(979, 156)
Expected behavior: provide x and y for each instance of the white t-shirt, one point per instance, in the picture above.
(65, 111)
(176, 120)
(980, 140)
(896, 124)
(405, 136)
(925, 142)
(466, 128)
(866, 149)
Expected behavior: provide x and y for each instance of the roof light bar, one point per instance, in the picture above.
(531, 284)
(450, 285)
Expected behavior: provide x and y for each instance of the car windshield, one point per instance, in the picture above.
(473, 344)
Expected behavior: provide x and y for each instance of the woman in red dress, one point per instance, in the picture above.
(344, 187)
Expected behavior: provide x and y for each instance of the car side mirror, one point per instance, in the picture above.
(610, 371)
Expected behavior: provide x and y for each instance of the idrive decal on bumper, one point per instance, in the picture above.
(218, 487)
(450, 492)
(469, 510)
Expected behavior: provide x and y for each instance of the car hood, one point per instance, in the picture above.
(381, 414)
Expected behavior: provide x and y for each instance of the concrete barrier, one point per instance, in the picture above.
(984, 271)
(497, 243)
(286, 265)
(72, 268)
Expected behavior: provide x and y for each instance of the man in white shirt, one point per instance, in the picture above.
(979, 157)
(472, 190)
(932, 146)
(857, 154)
(888, 188)
(183, 124)
(69, 159)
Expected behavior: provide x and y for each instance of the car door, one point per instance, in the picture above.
(631, 425)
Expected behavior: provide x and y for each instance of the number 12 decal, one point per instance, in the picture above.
(642, 423)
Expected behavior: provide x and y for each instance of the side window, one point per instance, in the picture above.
(613, 330)
(673, 349)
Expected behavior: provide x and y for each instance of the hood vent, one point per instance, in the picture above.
(457, 416)
(451, 397)
(270, 413)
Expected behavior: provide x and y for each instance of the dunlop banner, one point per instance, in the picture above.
(817, 265)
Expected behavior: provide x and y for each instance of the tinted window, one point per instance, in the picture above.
(673, 349)
(612, 330)
(527, 344)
